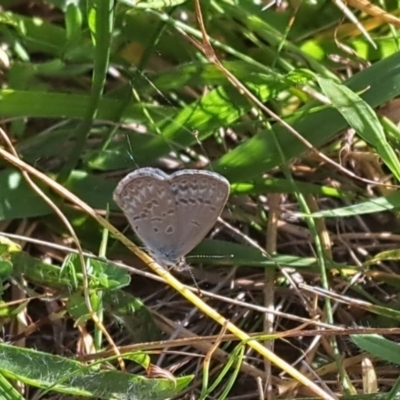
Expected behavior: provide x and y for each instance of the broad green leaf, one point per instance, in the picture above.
(62, 375)
(259, 154)
(360, 116)
(378, 346)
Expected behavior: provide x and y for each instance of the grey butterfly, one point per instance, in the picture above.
(171, 214)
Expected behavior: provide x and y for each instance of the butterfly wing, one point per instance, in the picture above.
(200, 197)
(146, 199)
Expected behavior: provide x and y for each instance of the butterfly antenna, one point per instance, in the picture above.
(213, 256)
(183, 266)
(194, 279)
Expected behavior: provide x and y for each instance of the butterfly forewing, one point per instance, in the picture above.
(146, 199)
